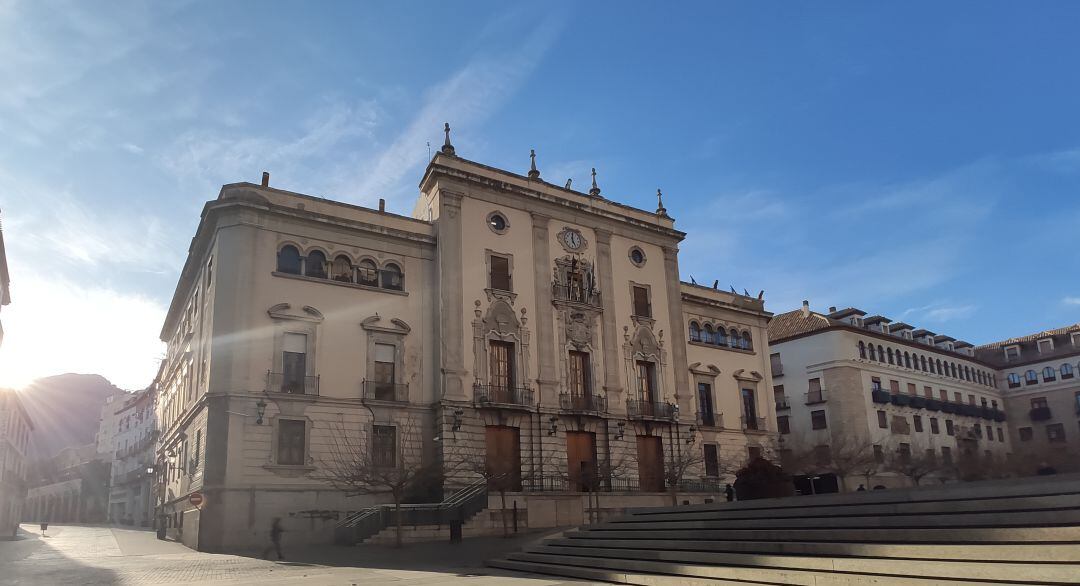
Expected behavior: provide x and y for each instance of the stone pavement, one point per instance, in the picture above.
(98, 555)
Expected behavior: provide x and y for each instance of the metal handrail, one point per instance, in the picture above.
(483, 393)
(587, 402)
(277, 383)
(562, 292)
(381, 391)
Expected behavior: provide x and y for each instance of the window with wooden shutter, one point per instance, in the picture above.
(712, 460)
(500, 273)
(291, 440)
(642, 308)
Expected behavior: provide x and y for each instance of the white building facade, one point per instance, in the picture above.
(16, 429)
(131, 494)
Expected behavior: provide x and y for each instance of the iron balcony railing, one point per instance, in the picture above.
(753, 423)
(277, 382)
(1040, 413)
(500, 395)
(380, 391)
(814, 397)
(583, 403)
(710, 419)
(576, 294)
(880, 396)
(782, 403)
(637, 409)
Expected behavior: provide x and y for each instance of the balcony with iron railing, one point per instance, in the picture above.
(277, 382)
(782, 403)
(753, 423)
(501, 396)
(815, 397)
(1040, 413)
(574, 293)
(583, 403)
(380, 391)
(638, 409)
(710, 419)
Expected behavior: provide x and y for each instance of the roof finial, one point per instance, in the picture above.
(447, 147)
(533, 173)
(595, 191)
(660, 209)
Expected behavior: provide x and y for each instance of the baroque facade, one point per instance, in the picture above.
(540, 330)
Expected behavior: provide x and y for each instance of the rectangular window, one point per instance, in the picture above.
(712, 460)
(1001, 435)
(293, 363)
(642, 307)
(198, 451)
(879, 454)
(817, 419)
(911, 389)
(384, 446)
(778, 395)
(946, 455)
(875, 383)
(501, 365)
(500, 273)
(1039, 403)
(209, 271)
(777, 366)
(1055, 432)
(1012, 352)
(749, 408)
(705, 404)
(894, 387)
(917, 421)
(971, 399)
(958, 397)
(934, 427)
(814, 395)
(580, 383)
(646, 381)
(904, 452)
(943, 394)
(882, 420)
(1045, 346)
(783, 423)
(949, 429)
(1025, 434)
(291, 439)
(384, 371)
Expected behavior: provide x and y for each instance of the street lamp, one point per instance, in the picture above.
(260, 410)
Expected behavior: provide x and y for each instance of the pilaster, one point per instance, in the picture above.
(679, 363)
(451, 319)
(545, 333)
(610, 335)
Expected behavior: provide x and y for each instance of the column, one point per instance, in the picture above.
(546, 378)
(676, 338)
(610, 333)
(451, 320)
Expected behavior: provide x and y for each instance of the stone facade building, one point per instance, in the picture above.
(510, 325)
(1037, 375)
(16, 429)
(131, 494)
(845, 381)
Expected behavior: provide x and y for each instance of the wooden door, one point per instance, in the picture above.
(581, 460)
(650, 449)
(504, 455)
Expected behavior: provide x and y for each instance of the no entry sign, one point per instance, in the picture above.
(196, 499)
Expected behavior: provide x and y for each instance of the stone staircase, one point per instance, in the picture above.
(484, 523)
(997, 532)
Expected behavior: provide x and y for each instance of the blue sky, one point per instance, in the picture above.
(919, 160)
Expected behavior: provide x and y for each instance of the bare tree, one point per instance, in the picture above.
(682, 461)
(914, 466)
(845, 455)
(359, 464)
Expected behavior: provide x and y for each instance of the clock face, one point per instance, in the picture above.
(573, 239)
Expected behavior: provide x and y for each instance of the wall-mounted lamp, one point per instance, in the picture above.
(675, 411)
(260, 410)
(554, 425)
(149, 470)
(690, 437)
(456, 424)
(620, 430)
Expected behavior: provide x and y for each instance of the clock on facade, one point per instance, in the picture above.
(572, 239)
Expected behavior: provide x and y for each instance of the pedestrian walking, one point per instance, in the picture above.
(44, 526)
(860, 489)
(729, 492)
(275, 539)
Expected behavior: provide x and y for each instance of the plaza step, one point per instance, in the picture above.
(1000, 532)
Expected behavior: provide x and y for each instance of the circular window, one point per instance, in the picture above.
(637, 256)
(497, 222)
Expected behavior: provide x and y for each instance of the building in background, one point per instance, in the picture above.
(510, 325)
(881, 402)
(109, 425)
(1037, 374)
(71, 487)
(15, 433)
(131, 494)
(5, 280)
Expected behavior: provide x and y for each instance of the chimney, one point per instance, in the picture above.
(832, 310)
(382, 205)
(266, 179)
(805, 308)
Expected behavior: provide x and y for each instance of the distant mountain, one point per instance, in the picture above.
(65, 410)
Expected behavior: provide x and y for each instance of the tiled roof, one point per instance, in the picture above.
(793, 323)
(1032, 337)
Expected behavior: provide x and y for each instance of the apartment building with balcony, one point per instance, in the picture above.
(1037, 375)
(844, 379)
(131, 486)
(541, 329)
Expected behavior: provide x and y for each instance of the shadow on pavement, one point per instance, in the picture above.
(32, 559)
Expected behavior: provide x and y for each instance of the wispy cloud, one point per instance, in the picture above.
(1071, 300)
(939, 312)
(466, 99)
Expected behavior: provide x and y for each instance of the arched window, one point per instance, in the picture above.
(873, 353)
(734, 338)
(342, 269)
(907, 360)
(939, 370)
(980, 377)
(890, 355)
(747, 341)
(707, 335)
(721, 336)
(923, 360)
(953, 368)
(315, 264)
(1031, 377)
(880, 353)
(392, 278)
(967, 373)
(367, 273)
(1066, 370)
(1014, 380)
(695, 332)
(1049, 374)
(288, 260)
(862, 349)
(932, 371)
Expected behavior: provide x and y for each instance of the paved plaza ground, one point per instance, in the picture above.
(92, 555)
